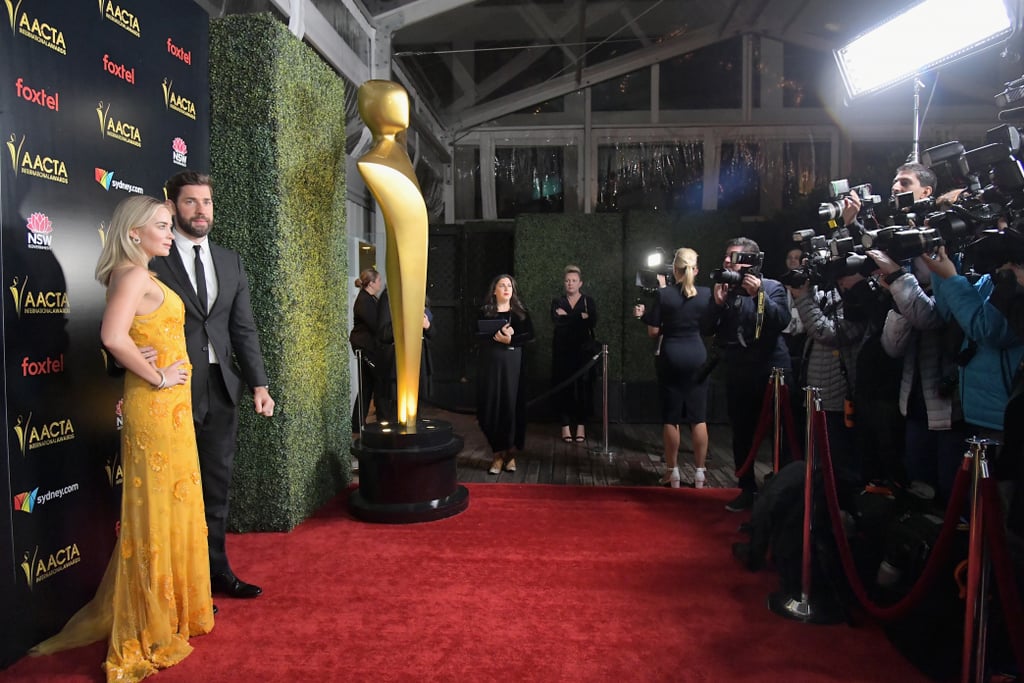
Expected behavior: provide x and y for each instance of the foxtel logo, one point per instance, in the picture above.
(119, 70)
(107, 180)
(179, 52)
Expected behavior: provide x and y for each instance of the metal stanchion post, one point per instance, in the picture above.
(780, 603)
(972, 666)
(359, 391)
(604, 406)
(777, 381)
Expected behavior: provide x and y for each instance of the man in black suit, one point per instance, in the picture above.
(224, 349)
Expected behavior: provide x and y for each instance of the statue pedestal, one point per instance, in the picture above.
(407, 477)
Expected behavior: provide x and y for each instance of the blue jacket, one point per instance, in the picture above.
(986, 380)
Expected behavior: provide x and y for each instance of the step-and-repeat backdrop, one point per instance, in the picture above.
(99, 100)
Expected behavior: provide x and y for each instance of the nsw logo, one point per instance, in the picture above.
(40, 231)
(179, 152)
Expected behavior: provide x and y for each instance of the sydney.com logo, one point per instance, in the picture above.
(107, 180)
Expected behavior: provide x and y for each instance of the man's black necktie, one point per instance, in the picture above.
(200, 278)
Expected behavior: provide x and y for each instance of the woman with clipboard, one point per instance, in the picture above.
(504, 327)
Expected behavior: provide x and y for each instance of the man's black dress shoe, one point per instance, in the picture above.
(215, 609)
(232, 586)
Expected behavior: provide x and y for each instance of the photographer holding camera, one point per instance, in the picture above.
(831, 352)
(746, 315)
(916, 331)
(991, 352)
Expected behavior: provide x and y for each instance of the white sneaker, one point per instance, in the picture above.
(699, 478)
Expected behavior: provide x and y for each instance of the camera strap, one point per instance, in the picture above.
(760, 314)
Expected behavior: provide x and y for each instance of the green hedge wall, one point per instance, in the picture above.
(544, 245)
(277, 139)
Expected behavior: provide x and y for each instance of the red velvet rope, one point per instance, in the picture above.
(765, 421)
(995, 534)
(939, 553)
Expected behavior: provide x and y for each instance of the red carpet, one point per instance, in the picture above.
(531, 583)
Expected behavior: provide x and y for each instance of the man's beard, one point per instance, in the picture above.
(192, 231)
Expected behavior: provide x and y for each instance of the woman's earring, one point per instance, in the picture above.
(136, 240)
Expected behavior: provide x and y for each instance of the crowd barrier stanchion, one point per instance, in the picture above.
(775, 401)
(604, 449)
(788, 606)
(777, 381)
(359, 394)
(976, 607)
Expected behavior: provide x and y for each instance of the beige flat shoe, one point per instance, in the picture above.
(496, 466)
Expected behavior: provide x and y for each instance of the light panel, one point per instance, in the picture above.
(928, 35)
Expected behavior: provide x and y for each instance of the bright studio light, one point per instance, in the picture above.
(930, 34)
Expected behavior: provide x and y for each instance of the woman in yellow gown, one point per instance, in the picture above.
(155, 592)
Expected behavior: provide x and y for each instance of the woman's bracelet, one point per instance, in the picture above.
(163, 380)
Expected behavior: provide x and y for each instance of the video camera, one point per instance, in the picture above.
(838, 190)
(826, 260)
(656, 263)
(753, 259)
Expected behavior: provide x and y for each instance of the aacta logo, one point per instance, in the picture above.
(39, 567)
(46, 366)
(26, 502)
(36, 30)
(27, 302)
(179, 52)
(32, 437)
(122, 17)
(175, 102)
(35, 165)
(179, 152)
(116, 129)
(40, 97)
(119, 70)
(40, 231)
(107, 180)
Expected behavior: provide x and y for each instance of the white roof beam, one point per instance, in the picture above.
(415, 12)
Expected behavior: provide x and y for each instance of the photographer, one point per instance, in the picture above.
(831, 353)
(916, 332)
(674, 320)
(991, 352)
(747, 320)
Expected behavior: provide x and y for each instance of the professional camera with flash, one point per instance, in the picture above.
(733, 278)
(840, 189)
(655, 263)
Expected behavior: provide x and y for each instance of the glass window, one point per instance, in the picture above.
(805, 73)
(468, 202)
(653, 176)
(806, 166)
(708, 78)
(629, 92)
(491, 56)
(528, 180)
(739, 179)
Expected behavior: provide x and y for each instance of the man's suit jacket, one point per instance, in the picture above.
(229, 325)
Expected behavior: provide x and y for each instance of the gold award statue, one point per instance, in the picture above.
(388, 172)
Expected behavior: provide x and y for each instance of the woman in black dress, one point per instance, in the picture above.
(500, 385)
(674, 319)
(363, 337)
(574, 315)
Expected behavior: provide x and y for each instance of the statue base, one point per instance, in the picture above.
(405, 476)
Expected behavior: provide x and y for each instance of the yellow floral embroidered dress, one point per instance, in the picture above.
(155, 592)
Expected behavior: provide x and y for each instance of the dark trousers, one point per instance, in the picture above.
(934, 456)
(216, 439)
(367, 388)
(744, 394)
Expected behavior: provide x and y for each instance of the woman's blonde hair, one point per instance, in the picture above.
(572, 269)
(684, 263)
(118, 247)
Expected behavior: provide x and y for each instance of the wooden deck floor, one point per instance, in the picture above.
(635, 460)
